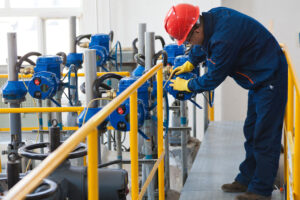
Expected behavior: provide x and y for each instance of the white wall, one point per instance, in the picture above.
(282, 19)
(123, 16)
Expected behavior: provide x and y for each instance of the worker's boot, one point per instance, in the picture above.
(234, 187)
(251, 196)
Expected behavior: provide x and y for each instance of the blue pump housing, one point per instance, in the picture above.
(14, 90)
(100, 40)
(119, 118)
(74, 59)
(101, 54)
(90, 113)
(48, 64)
(43, 85)
(173, 50)
(45, 82)
(180, 95)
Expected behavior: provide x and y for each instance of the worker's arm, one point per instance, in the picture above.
(196, 55)
(220, 64)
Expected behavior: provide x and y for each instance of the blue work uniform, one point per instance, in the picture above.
(238, 46)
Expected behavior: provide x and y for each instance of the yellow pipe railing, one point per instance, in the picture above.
(134, 148)
(292, 134)
(43, 109)
(72, 74)
(34, 178)
(65, 128)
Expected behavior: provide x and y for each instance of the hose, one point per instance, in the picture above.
(139, 59)
(164, 56)
(158, 37)
(99, 82)
(64, 57)
(81, 37)
(28, 61)
(24, 58)
(111, 35)
(135, 49)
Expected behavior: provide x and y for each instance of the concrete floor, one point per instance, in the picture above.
(217, 163)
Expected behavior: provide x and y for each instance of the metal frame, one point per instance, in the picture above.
(292, 134)
(32, 180)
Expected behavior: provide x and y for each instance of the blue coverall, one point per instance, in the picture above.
(238, 46)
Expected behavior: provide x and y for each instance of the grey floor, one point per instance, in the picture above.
(217, 163)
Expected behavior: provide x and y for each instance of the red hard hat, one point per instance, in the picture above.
(180, 20)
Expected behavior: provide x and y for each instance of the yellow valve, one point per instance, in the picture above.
(84, 45)
(27, 70)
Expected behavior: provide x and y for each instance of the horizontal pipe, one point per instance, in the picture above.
(72, 74)
(35, 177)
(65, 128)
(140, 161)
(38, 110)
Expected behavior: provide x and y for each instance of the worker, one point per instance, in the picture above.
(236, 45)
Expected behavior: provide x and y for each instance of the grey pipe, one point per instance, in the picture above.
(149, 49)
(72, 21)
(194, 120)
(183, 120)
(141, 38)
(15, 118)
(90, 68)
(119, 148)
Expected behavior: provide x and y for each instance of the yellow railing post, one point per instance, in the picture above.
(296, 166)
(134, 147)
(160, 137)
(290, 102)
(92, 140)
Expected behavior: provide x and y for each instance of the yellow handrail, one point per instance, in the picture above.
(292, 133)
(72, 74)
(32, 180)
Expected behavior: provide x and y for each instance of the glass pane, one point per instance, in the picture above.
(57, 34)
(1, 3)
(26, 29)
(44, 3)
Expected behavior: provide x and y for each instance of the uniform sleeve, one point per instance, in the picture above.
(196, 55)
(220, 64)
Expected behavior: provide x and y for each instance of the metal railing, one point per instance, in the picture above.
(34, 178)
(292, 134)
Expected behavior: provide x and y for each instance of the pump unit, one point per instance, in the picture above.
(180, 95)
(119, 118)
(46, 79)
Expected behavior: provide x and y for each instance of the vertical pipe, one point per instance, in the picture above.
(290, 103)
(167, 156)
(133, 146)
(14, 118)
(194, 120)
(40, 114)
(141, 38)
(12, 173)
(109, 140)
(49, 115)
(297, 148)
(90, 68)
(150, 49)
(183, 116)
(72, 21)
(119, 148)
(286, 171)
(93, 189)
(160, 137)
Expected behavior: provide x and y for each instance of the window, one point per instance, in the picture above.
(26, 28)
(44, 3)
(41, 25)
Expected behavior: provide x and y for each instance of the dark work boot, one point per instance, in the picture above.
(251, 196)
(234, 187)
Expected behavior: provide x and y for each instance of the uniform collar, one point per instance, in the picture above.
(208, 27)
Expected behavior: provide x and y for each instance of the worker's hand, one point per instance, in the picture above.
(180, 84)
(186, 67)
